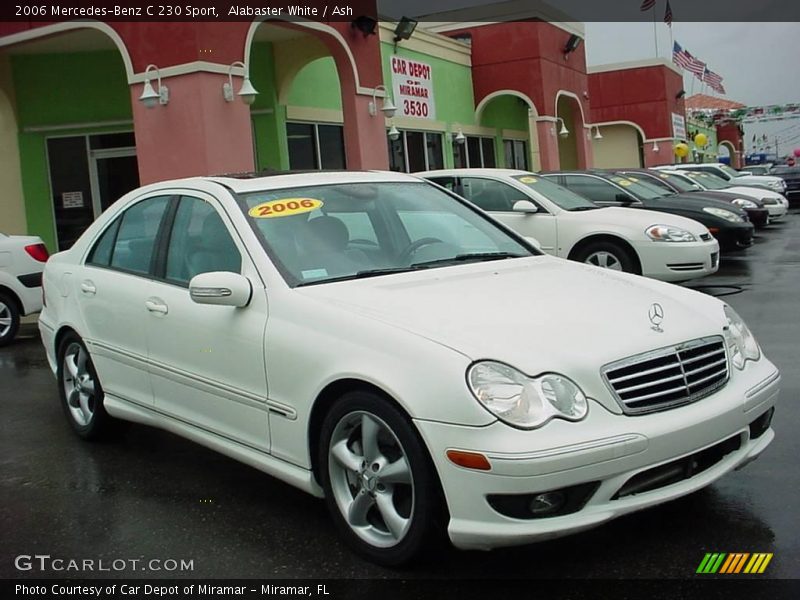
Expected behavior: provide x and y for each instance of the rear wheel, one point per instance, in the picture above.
(81, 392)
(607, 255)
(9, 319)
(380, 487)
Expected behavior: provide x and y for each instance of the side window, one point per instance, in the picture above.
(596, 190)
(491, 195)
(445, 182)
(135, 240)
(101, 253)
(199, 243)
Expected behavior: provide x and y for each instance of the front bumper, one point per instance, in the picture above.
(776, 211)
(734, 236)
(680, 261)
(758, 216)
(605, 450)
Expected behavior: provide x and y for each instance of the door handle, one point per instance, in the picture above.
(154, 305)
(88, 288)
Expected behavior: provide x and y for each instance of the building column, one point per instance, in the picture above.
(365, 142)
(197, 133)
(664, 155)
(548, 145)
(585, 149)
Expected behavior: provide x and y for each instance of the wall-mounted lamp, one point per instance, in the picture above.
(388, 108)
(680, 94)
(150, 97)
(247, 92)
(459, 137)
(393, 134)
(597, 134)
(404, 30)
(656, 148)
(563, 132)
(572, 44)
(365, 24)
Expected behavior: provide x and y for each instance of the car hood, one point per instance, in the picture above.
(726, 196)
(756, 179)
(538, 314)
(753, 192)
(614, 216)
(689, 201)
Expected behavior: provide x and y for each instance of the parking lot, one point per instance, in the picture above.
(156, 496)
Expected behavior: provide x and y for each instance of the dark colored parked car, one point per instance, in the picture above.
(728, 223)
(674, 184)
(791, 175)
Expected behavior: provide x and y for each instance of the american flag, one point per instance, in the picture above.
(684, 60)
(647, 5)
(668, 14)
(713, 80)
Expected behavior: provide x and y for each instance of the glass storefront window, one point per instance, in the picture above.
(416, 151)
(315, 146)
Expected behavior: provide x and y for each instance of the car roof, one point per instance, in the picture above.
(243, 183)
(468, 171)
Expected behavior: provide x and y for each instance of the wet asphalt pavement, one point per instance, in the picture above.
(155, 496)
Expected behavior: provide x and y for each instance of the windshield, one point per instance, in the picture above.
(730, 172)
(785, 170)
(639, 188)
(708, 181)
(349, 231)
(561, 196)
(679, 182)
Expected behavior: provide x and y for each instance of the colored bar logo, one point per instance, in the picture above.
(734, 563)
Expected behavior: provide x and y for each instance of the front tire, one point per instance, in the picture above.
(607, 255)
(9, 319)
(380, 486)
(81, 393)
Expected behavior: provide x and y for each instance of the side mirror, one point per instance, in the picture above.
(533, 242)
(221, 288)
(623, 199)
(524, 206)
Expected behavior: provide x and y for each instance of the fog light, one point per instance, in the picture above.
(545, 504)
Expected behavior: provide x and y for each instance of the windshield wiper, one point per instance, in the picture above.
(364, 274)
(476, 256)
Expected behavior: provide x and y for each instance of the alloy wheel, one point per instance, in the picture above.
(6, 319)
(604, 260)
(79, 384)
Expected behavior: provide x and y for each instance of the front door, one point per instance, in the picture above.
(114, 173)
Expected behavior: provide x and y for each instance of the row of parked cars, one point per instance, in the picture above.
(685, 214)
(380, 342)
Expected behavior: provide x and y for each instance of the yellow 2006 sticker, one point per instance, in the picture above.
(528, 179)
(285, 207)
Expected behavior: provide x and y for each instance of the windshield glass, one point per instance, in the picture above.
(639, 188)
(730, 172)
(679, 182)
(708, 181)
(561, 196)
(785, 171)
(348, 231)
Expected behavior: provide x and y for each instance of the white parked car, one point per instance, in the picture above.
(373, 339)
(22, 261)
(776, 204)
(734, 177)
(567, 225)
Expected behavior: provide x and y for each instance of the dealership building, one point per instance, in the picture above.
(92, 109)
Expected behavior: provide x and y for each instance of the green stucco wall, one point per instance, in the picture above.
(54, 90)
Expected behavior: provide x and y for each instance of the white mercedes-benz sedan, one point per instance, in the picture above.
(655, 244)
(380, 342)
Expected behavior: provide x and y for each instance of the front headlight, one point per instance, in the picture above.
(742, 344)
(522, 401)
(744, 203)
(667, 233)
(723, 214)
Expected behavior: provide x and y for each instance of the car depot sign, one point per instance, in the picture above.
(412, 86)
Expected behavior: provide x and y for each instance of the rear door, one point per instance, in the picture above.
(113, 285)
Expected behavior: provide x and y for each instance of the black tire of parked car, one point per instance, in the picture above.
(426, 535)
(101, 426)
(12, 309)
(622, 255)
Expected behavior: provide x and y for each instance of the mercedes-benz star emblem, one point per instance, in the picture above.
(656, 315)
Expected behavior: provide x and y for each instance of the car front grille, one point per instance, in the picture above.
(686, 266)
(770, 201)
(668, 377)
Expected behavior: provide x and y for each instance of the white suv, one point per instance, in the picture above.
(22, 261)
